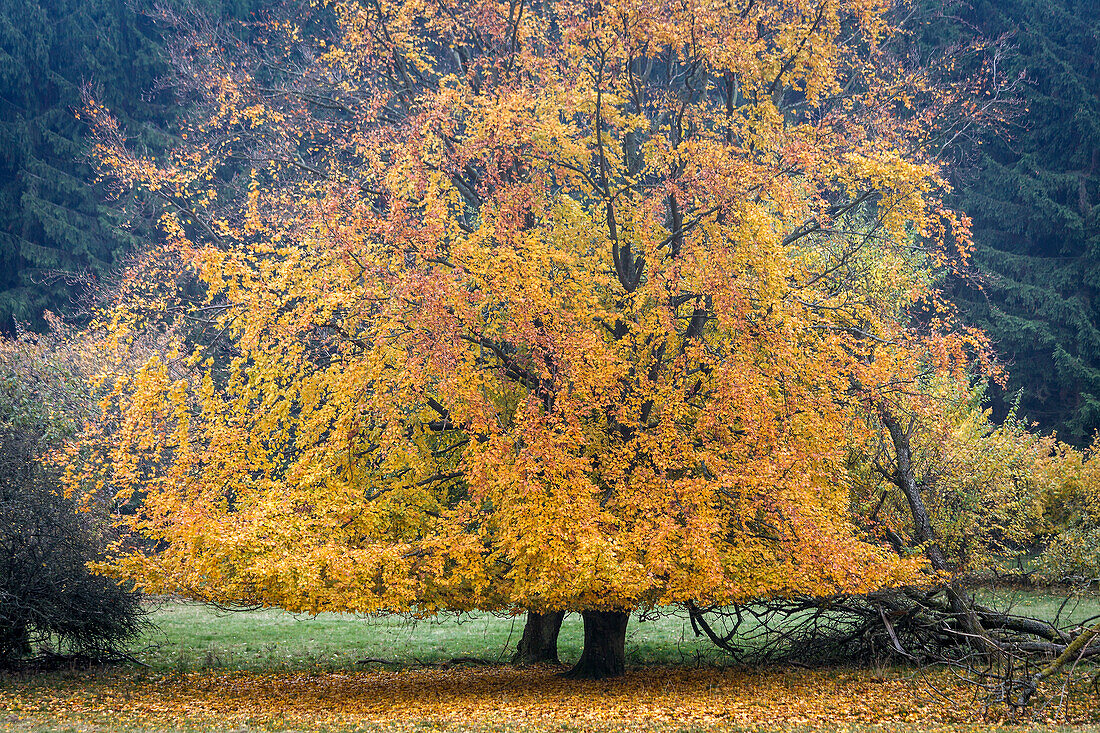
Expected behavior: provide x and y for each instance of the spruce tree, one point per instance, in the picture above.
(56, 235)
(1034, 196)
(59, 233)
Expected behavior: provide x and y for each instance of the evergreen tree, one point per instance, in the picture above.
(1034, 196)
(58, 233)
(55, 234)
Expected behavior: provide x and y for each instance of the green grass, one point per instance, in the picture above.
(1063, 610)
(190, 636)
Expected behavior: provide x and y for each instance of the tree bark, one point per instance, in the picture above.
(604, 652)
(539, 644)
(1073, 652)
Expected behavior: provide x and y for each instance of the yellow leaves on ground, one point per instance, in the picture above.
(499, 698)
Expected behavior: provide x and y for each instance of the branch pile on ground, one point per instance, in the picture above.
(1005, 653)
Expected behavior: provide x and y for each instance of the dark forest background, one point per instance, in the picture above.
(1032, 189)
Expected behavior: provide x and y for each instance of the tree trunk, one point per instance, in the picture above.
(962, 605)
(539, 644)
(604, 652)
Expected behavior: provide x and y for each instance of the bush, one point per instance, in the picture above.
(1071, 518)
(49, 600)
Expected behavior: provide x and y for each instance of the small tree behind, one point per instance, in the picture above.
(539, 643)
(47, 594)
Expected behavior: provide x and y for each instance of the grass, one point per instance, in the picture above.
(191, 636)
(1064, 610)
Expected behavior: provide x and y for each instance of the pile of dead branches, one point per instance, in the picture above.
(1007, 654)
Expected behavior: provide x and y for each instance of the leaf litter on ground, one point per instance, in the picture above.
(508, 699)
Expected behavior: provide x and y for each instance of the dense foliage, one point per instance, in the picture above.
(558, 306)
(543, 306)
(1031, 190)
(1034, 195)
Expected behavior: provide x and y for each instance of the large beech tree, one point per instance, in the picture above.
(527, 305)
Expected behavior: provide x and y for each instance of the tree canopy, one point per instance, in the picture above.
(1029, 185)
(529, 305)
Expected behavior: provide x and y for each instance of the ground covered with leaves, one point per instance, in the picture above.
(268, 670)
(507, 699)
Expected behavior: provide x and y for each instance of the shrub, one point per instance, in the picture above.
(49, 600)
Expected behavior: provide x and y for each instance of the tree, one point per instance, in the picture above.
(946, 477)
(535, 306)
(1071, 518)
(58, 241)
(979, 500)
(1032, 193)
(47, 594)
(539, 643)
(55, 235)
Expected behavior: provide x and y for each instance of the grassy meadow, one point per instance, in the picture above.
(192, 636)
(186, 636)
(201, 669)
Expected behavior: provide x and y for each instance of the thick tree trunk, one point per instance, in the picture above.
(539, 644)
(604, 652)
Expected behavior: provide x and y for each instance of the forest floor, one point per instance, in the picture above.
(272, 671)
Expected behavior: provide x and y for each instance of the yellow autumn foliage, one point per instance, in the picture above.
(527, 305)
